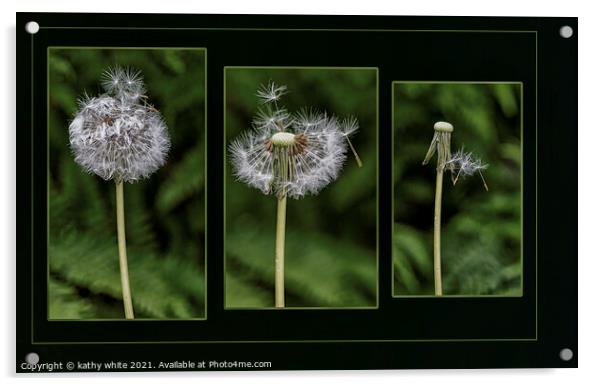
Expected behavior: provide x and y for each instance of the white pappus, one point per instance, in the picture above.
(118, 135)
(291, 154)
(462, 164)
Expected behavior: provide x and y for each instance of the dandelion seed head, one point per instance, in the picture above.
(290, 155)
(114, 136)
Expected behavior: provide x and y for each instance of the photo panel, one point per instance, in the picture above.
(301, 187)
(457, 189)
(126, 183)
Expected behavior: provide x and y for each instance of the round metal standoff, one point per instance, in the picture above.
(444, 126)
(32, 358)
(32, 27)
(566, 31)
(566, 354)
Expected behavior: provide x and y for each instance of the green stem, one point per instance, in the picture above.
(437, 233)
(123, 259)
(279, 260)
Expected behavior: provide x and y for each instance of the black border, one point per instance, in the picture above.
(508, 333)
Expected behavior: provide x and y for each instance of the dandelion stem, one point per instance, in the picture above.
(437, 233)
(279, 260)
(441, 143)
(123, 260)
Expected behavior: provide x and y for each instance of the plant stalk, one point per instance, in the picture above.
(441, 143)
(123, 259)
(437, 233)
(279, 260)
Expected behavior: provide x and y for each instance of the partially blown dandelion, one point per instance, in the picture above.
(290, 155)
(459, 164)
(119, 136)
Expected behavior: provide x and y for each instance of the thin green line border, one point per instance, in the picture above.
(296, 341)
(48, 49)
(225, 161)
(522, 216)
(333, 341)
(287, 29)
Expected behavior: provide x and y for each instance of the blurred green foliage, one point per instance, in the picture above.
(330, 256)
(481, 231)
(164, 214)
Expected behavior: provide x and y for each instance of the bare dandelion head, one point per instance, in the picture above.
(290, 155)
(115, 135)
(441, 143)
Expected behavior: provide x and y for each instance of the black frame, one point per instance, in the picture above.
(527, 331)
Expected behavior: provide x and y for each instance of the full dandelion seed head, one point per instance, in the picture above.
(290, 155)
(117, 135)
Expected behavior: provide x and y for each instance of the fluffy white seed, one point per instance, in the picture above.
(464, 164)
(271, 92)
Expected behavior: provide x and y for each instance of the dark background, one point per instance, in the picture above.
(403, 333)
(164, 214)
(480, 230)
(330, 258)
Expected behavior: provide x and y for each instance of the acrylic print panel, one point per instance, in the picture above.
(345, 278)
(481, 216)
(331, 210)
(163, 213)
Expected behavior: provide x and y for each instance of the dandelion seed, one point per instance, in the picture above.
(271, 120)
(463, 164)
(308, 117)
(124, 83)
(349, 127)
(271, 92)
